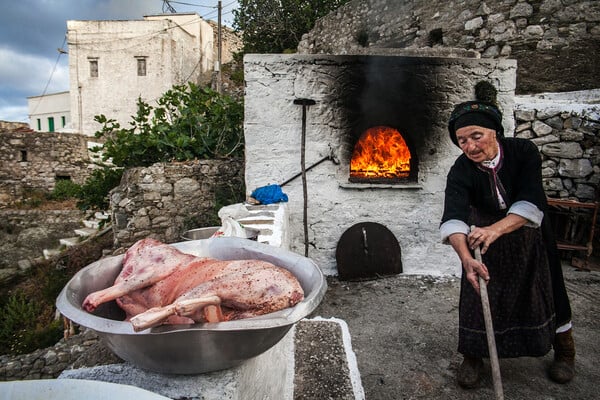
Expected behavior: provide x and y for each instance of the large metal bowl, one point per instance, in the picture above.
(195, 348)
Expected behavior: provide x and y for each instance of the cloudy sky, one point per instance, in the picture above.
(32, 31)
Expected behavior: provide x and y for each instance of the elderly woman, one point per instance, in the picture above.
(496, 186)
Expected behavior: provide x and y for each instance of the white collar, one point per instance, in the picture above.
(494, 162)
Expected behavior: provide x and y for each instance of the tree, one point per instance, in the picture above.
(276, 26)
(190, 122)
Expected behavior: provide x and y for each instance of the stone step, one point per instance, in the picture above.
(325, 364)
(92, 223)
(72, 241)
(49, 253)
(85, 232)
(101, 215)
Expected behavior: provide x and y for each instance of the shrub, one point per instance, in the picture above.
(65, 189)
(94, 192)
(20, 332)
(190, 122)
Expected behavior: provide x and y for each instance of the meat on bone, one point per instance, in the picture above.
(159, 284)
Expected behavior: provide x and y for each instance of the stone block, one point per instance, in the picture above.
(575, 168)
(563, 150)
(541, 129)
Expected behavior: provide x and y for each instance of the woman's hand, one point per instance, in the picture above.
(473, 270)
(486, 235)
(482, 236)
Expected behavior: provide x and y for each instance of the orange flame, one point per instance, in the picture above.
(380, 152)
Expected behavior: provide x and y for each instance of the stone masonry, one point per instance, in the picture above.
(566, 129)
(165, 199)
(34, 161)
(556, 42)
(25, 233)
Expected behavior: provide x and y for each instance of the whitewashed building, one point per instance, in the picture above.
(113, 63)
(50, 112)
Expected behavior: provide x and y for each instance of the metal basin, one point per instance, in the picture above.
(206, 233)
(195, 348)
(199, 233)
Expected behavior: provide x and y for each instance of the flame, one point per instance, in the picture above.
(380, 152)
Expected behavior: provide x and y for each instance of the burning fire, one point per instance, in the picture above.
(380, 152)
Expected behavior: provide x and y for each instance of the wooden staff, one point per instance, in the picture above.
(489, 330)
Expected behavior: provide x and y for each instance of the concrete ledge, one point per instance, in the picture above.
(314, 360)
(325, 364)
(267, 376)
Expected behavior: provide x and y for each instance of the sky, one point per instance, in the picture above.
(33, 31)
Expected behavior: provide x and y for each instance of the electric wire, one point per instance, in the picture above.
(149, 35)
(82, 44)
(50, 78)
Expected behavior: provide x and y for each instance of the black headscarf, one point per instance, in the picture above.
(478, 113)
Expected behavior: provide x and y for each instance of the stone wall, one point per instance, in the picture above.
(556, 42)
(83, 350)
(164, 200)
(33, 162)
(24, 234)
(566, 129)
(7, 125)
(231, 42)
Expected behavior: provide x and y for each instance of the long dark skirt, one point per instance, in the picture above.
(520, 295)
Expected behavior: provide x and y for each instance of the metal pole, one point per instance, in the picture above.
(219, 51)
(305, 103)
(304, 185)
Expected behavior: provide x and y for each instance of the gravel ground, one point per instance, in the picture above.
(404, 333)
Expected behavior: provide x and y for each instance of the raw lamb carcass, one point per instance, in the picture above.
(159, 284)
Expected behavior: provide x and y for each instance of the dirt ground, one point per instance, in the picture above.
(404, 333)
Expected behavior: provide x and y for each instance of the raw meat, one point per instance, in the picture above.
(159, 284)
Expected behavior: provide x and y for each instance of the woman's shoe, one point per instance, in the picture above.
(562, 369)
(469, 372)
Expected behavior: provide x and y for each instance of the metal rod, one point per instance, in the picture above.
(219, 50)
(489, 330)
(307, 169)
(304, 184)
(305, 103)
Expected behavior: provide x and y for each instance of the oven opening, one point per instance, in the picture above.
(381, 155)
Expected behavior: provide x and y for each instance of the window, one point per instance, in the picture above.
(94, 68)
(23, 156)
(141, 66)
(39, 124)
(50, 124)
(63, 121)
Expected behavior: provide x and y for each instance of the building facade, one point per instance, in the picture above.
(113, 63)
(50, 112)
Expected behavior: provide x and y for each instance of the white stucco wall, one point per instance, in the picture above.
(42, 108)
(170, 44)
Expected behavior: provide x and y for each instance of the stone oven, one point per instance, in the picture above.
(381, 122)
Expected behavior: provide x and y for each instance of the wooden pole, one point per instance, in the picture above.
(489, 330)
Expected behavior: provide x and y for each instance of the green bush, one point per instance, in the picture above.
(19, 329)
(95, 190)
(65, 189)
(190, 122)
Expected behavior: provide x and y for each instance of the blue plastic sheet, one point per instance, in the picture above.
(269, 194)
